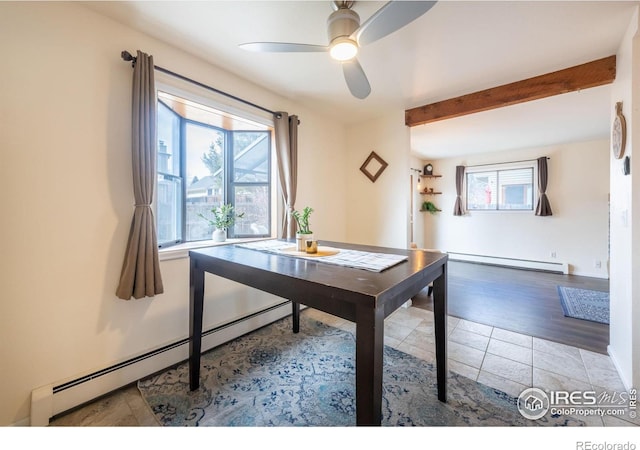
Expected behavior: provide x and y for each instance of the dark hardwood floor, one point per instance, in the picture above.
(523, 301)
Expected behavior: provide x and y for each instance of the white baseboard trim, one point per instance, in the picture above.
(556, 267)
(625, 381)
(50, 400)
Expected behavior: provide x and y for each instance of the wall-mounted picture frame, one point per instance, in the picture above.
(373, 166)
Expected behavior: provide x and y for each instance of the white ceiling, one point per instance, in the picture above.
(455, 48)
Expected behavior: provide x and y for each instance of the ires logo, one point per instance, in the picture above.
(575, 398)
(534, 403)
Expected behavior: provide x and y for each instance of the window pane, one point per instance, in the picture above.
(205, 178)
(207, 158)
(168, 209)
(516, 189)
(168, 141)
(253, 201)
(481, 190)
(250, 157)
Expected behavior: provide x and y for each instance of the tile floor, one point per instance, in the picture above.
(495, 357)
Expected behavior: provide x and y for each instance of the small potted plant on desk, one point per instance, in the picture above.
(224, 217)
(304, 233)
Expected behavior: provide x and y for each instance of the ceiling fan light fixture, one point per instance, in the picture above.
(346, 35)
(343, 49)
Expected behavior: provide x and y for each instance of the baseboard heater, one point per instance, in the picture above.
(54, 399)
(555, 267)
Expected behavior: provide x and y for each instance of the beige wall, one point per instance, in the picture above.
(378, 213)
(65, 178)
(624, 344)
(577, 232)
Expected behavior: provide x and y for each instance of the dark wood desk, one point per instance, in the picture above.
(360, 296)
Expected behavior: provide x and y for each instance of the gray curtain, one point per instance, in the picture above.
(286, 132)
(458, 208)
(543, 208)
(140, 276)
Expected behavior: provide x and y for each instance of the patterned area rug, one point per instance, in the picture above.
(585, 304)
(272, 377)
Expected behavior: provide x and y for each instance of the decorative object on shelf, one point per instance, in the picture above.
(224, 216)
(430, 207)
(430, 191)
(304, 233)
(428, 173)
(373, 166)
(618, 133)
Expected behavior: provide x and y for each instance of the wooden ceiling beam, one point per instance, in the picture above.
(583, 76)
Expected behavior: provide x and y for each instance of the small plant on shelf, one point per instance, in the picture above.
(429, 207)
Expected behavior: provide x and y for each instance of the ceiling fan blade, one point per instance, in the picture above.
(391, 17)
(283, 47)
(356, 79)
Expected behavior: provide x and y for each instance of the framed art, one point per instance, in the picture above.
(373, 166)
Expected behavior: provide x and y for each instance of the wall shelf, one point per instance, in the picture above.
(429, 190)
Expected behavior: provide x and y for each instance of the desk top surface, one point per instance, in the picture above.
(251, 264)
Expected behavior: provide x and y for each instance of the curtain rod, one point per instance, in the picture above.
(506, 162)
(126, 56)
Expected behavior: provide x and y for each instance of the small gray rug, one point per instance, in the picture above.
(272, 377)
(585, 304)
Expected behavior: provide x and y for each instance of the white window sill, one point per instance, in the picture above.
(182, 250)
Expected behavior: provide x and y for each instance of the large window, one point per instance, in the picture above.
(207, 158)
(509, 189)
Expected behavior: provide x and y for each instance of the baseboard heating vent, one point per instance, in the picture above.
(554, 267)
(50, 401)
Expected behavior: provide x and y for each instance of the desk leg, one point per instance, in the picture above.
(440, 312)
(295, 313)
(369, 349)
(196, 303)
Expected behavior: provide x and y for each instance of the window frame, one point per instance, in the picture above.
(496, 169)
(230, 184)
(181, 177)
(189, 93)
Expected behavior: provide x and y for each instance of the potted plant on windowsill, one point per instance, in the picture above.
(304, 233)
(224, 216)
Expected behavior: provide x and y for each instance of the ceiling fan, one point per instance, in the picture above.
(346, 36)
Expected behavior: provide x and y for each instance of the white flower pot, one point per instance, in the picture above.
(219, 236)
(301, 241)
